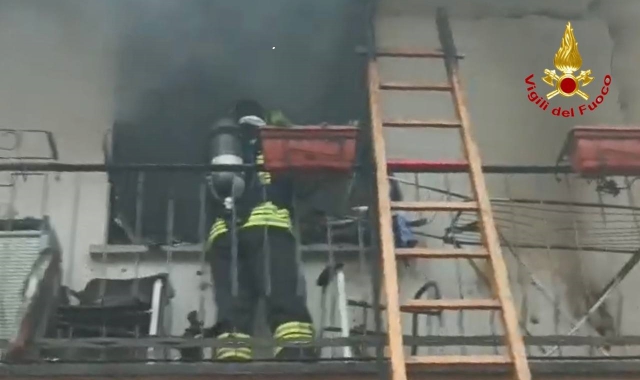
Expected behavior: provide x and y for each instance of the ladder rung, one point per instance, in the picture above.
(405, 52)
(434, 206)
(469, 360)
(398, 86)
(412, 53)
(422, 124)
(441, 253)
(417, 306)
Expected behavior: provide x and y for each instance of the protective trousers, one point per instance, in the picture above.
(287, 313)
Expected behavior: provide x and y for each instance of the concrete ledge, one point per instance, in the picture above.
(609, 368)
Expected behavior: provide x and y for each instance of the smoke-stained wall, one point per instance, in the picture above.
(503, 43)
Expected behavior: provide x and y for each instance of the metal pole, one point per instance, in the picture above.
(344, 312)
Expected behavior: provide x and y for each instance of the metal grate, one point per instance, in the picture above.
(19, 250)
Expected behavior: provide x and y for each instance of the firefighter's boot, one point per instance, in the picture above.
(234, 352)
(295, 333)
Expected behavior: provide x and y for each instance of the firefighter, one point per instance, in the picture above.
(264, 243)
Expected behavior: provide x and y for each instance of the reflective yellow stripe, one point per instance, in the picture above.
(218, 228)
(269, 208)
(233, 354)
(265, 214)
(292, 330)
(237, 353)
(266, 222)
(296, 337)
(268, 214)
(264, 177)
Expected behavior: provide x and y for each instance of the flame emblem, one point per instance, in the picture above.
(567, 60)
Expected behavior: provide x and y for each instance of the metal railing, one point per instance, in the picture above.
(568, 243)
(164, 264)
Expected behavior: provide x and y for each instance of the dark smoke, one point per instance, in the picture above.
(181, 64)
(220, 50)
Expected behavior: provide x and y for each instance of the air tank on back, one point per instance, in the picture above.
(225, 148)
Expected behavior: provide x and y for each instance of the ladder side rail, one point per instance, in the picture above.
(489, 235)
(385, 230)
(370, 10)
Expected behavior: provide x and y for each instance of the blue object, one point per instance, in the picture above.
(403, 236)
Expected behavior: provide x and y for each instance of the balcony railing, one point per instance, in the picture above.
(571, 246)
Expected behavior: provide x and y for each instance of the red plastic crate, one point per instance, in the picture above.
(602, 151)
(309, 148)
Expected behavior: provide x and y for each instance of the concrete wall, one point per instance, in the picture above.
(56, 76)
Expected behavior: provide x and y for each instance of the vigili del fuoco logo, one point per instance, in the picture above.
(567, 60)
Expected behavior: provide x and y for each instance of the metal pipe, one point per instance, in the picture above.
(140, 183)
(234, 230)
(297, 235)
(154, 326)
(62, 167)
(155, 318)
(75, 212)
(155, 314)
(202, 233)
(344, 312)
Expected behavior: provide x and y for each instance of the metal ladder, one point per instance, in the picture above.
(503, 300)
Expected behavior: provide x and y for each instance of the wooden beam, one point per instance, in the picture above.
(418, 306)
(410, 53)
(458, 360)
(399, 86)
(435, 206)
(409, 123)
(385, 228)
(440, 253)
